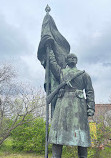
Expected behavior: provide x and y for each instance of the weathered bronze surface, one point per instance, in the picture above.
(66, 84)
(51, 35)
(70, 121)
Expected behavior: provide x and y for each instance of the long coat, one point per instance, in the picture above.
(70, 121)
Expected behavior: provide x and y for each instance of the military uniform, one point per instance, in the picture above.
(70, 120)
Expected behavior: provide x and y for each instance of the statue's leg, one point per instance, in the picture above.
(82, 152)
(56, 150)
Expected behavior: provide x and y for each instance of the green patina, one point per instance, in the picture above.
(69, 108)
(70, 121)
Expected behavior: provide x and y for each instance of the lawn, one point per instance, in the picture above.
(20, 155)
(6, 151)
(104, 153)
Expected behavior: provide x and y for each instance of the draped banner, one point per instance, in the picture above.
(59, 44)
(60, 47)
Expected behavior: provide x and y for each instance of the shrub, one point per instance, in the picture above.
(30, 136)
(7, 145)
(70, 152)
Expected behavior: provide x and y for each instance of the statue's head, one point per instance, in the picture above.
(71, 59)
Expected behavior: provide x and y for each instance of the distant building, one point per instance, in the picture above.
(100, 111)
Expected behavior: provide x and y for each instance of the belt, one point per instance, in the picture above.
(70, 89)
(78, 93)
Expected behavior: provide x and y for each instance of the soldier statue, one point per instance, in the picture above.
(70, 120)
(72, 102)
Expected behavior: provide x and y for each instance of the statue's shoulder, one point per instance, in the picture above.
(81, 71)
(86, 75)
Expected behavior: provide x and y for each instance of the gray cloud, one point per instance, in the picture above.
(96, 48)
(12, 40)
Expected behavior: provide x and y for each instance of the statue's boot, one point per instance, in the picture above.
(82, 152)
(56, 150)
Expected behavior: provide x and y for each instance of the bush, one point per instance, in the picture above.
(70, 152)
(30, 137)
(7, 145)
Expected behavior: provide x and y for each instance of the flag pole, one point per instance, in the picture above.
(47, 105)
(47, 91)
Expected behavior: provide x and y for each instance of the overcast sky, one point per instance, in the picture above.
(86, 24)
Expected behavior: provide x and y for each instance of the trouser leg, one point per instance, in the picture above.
(82, 152)
(56, 150)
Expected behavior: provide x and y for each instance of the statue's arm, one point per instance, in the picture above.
(90, 100)
(54, 67)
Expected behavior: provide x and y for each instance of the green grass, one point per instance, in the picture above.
(20, 156)
(6, 151)
(106, 153)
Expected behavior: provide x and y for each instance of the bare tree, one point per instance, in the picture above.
(17, 101)
(7, 72)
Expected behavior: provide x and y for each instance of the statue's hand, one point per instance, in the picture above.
(51, 55)
(90, 112)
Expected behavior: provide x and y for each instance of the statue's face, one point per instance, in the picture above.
(71, 60)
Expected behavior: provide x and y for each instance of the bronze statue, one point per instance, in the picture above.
(70, 120)
(64, 87)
